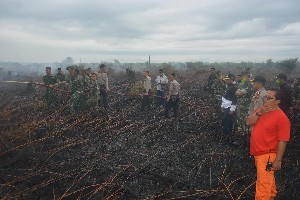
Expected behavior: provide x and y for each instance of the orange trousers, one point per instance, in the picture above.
(265, 181)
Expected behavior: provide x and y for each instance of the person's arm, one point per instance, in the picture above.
(252, 119)
(279, 155)
(106, 82)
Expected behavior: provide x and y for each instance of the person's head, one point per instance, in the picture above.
(93, 76)
(70, 70)
(296, 82)
(212, 70)
(76, 72)
(230, 79)
(59, 70)
(88, 71)
(161, 72)
(48, 70)
(259, 82)
(273, 97)
(146, 73)
(281, 79)
(238, 78)
(172, 77)
(103, 68)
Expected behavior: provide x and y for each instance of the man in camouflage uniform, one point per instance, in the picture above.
(218, 89)
(244, 94)
(60, 77)
(76, 86)
(49, 81)
(93, 92)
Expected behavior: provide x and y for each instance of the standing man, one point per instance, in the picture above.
(244, 94)
(146, 101)
(228, 106)
(93, 92)
(60, 77)
(287, 99)
(161, 82)
(269, 137)
(257, 101)
(173, 97)
(49, 81)
(211, 79)
(103, 84)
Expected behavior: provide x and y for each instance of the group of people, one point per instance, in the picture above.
(86, 89)
(268, 115)
(89, 89)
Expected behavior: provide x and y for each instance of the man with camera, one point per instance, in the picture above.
(269, 136)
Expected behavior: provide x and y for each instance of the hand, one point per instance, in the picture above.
(276, 165)
(222, 109)
(231, 112)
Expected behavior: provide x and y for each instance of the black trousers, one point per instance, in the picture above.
(172, 103)
(103, 97)
(228, 121)
(146, 102)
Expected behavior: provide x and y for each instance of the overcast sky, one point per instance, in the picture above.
(130, 30)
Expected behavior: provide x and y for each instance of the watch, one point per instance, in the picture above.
(258, 114)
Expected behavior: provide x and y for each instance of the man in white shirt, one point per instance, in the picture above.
(161, 82)
(146, 101)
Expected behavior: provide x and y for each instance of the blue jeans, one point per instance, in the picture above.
(160, 101)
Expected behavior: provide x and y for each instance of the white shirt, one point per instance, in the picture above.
(161, 80)
(147, 84)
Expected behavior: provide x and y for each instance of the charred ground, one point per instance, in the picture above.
(47, 154)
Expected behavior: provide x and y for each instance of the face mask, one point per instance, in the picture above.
(244, 80)
(277, 81)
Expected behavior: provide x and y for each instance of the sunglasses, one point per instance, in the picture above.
(267, 98)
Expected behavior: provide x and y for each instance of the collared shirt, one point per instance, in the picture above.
(147, 84)
(174, 88)
(257, 100)
(161, 81)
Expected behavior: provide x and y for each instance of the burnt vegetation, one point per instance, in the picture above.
(47, 154)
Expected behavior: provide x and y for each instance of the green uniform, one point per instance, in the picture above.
(243, 106)
(50, 95)
(76, 97)
(93, 94)
(60, 77)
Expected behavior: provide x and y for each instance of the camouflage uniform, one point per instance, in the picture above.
(60, 77)
(76, 97)
(93, 94)
(218, 89)
(50, 95)
(243, 106)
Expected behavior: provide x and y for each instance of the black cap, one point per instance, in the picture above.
(281, 76)
(59, 68)
(259, 79)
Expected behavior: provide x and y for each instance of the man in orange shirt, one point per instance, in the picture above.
(269, 136)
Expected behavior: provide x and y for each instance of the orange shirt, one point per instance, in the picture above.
(268, 130)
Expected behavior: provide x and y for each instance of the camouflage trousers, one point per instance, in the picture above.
(75, 102)
(242, 128)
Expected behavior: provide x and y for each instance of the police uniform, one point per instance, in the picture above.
(173, 101)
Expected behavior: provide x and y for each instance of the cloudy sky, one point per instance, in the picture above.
(130, 30)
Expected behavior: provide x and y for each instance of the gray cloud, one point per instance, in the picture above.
(211, 30)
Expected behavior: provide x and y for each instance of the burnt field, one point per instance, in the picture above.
(125, 154)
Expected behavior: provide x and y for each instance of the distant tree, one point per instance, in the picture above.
(68, 61)
(269, 62)
(288, 65)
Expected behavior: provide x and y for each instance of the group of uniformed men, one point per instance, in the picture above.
(89, 89)
(84, 87)
(242, 96)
